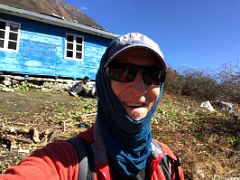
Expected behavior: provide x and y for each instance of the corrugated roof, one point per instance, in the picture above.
(56, 21)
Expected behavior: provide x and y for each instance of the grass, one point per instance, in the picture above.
(208, 143)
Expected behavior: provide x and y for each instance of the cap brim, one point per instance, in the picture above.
(159, 57)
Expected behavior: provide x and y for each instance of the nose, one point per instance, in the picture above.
(138, 85)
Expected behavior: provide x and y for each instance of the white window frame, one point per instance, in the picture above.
(74, 50)
(7, 33)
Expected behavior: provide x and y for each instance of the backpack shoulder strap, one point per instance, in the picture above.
(164, 164)
(174, 159)
(168, 158)
(85, 158)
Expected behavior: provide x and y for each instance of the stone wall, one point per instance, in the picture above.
(11, 83)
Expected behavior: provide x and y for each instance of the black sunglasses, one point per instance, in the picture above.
(125, 72)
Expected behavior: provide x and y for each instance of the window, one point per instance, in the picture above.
(9, 35)
(74, 46)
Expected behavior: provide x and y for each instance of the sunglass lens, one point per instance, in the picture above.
(154, 76)
(122, 73)
(125, 72)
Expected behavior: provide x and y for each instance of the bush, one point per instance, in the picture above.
(199, 85)
(173, 82)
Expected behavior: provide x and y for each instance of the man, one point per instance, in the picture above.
(81, 88)
(119, 145)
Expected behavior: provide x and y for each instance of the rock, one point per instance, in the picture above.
(6, 82)
(14, 82)
(198, 172)
(226, 107)
(207, 105)
(223, 106)
(5, 89)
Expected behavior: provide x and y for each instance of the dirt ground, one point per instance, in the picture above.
(34, 108)
(31, 109)
(208, 143)
(29, 120)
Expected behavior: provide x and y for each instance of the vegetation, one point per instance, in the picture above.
(223, 85)
(208, 143)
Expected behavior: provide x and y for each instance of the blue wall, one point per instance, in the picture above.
(41, 51)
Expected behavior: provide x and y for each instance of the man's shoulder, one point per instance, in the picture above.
(56, 148)
(166, 149)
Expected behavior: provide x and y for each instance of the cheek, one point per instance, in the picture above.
(117, 87)
(154, 92)
(123, 89)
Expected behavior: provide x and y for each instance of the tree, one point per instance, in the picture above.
(229, 79)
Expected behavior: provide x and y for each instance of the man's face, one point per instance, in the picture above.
(136, 96)
(85, 81)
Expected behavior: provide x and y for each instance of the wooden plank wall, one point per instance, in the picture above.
(41, 52)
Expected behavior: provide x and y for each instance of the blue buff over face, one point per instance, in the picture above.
(127, 141)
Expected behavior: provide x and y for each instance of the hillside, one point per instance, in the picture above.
(208, 143)
(53, 7)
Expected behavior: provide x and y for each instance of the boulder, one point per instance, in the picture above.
(207, 105)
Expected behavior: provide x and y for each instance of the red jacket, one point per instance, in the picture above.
(58, 161)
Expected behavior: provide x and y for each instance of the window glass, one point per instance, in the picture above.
(69, 46)
(79, 55)
(79, 40)
(13, 36)
(9, 35)
(2, 25)
(69, 54)
(74, 46)
(70, 38)
(14, 27)
(1, 43)
(2, 33)
(12, 45)
(79, 47)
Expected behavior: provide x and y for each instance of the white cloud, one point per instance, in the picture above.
(84, 8)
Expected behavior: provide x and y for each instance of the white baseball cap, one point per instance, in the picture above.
(131, 40)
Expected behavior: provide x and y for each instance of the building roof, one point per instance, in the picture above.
(55, 20)
(55, 7)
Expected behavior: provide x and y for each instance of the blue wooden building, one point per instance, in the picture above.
(33, 44)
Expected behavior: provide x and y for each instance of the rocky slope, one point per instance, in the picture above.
(54, 8)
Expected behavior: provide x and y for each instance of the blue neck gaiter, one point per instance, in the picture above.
(127, 141)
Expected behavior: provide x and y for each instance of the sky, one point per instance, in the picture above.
(192, 34)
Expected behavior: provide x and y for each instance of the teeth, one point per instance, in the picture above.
(134, 104)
